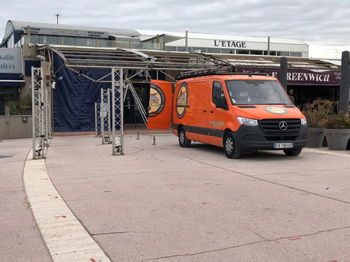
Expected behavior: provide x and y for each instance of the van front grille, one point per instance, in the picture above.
(280, 127)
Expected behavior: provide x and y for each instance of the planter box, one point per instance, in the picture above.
(337, 138)
(315, 137)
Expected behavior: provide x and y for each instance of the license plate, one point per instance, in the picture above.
(282, 145)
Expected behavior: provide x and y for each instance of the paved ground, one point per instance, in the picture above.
(166, 203)
(20, 239)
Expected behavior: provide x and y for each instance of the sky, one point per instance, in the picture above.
(323, 24)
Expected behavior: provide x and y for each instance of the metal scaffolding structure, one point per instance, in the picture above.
(105, 115)
(109, 119)
(98, 119)
(40, 114)
(117, 111)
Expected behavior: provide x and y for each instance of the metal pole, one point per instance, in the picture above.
(33, 114)
(343, 106)
(121, 86)
(186, 40)
(268, 45)
(109, 92)
(102, 115)
(96, 119)
(283, 72)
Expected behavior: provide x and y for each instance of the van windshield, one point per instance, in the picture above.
(257, 92)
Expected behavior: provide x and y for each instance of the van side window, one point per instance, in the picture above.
(217, 91)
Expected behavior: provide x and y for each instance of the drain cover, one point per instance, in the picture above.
(4, 156)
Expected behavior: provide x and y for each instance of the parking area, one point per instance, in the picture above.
(166, 203)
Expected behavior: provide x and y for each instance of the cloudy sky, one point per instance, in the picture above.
(323, 24)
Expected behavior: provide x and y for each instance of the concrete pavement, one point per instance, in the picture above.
(166, 203)
(20, 239)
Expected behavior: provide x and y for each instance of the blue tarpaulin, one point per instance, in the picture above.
(75, 97)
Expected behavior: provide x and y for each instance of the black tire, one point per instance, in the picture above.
(292, 152)
(183, 141)
(231, 148)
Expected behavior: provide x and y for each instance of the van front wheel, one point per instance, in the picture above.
(231, 147)
(292, 152)
(183, 141)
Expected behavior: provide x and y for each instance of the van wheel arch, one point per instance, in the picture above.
(183, 141)
(231, 148)
(226, 131)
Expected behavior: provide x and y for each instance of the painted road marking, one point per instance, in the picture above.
(65, 237)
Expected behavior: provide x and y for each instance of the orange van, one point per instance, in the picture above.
(237, 111)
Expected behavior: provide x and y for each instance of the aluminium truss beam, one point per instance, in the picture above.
(117, 111)
(105, 110)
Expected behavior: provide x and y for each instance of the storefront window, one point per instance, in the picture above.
(296, 54)
(69, 41)
(47, 39)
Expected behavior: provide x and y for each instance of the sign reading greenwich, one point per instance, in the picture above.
(10, 61)
(301, 76)
(229, 43)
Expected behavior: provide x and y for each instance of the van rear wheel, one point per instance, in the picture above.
(293, 151)
(231, 148)
(183, 141)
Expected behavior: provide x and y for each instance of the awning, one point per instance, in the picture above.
(11, 80)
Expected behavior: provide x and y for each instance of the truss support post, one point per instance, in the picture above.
(105, 116)
(98, 119)
(117, 111)
(38, 114)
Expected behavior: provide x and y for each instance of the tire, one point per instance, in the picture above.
(292, 152)
(231, 148)
(183, 141)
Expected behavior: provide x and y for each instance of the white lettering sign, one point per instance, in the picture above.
(229, 43)
(10, 61)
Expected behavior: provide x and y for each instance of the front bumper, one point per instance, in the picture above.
(252, 138)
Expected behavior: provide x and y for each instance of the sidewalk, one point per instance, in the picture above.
(20, 239)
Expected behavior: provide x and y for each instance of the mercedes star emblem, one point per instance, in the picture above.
(283, 125)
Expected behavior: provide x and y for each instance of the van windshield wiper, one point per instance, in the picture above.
(276, 103)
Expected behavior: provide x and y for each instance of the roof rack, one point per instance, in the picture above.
(198, 73)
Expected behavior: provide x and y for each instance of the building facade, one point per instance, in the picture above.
(19, 33)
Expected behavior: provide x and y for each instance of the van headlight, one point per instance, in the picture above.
(303, 121)
(247, 121)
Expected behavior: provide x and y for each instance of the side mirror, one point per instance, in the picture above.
(221, 102)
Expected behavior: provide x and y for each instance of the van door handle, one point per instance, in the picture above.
(211, 111)
(204, 111)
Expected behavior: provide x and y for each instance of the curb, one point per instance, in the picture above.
(64, 236)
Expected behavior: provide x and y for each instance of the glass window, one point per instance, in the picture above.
(213, 50)
(69, 40)
(79, 41)
(227, 51)
(48, 39)
(242, 52)
(257, 92)
(11, 41)
(256, 52)
(34, 39)
(282, 53)
(170, 48)
(296, 54)
(217, 91)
